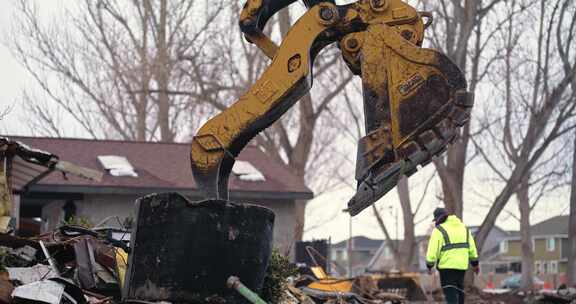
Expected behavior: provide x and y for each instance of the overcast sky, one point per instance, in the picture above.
(12, 76)
(325, 218)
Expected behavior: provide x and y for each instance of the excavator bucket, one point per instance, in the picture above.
(415, 100)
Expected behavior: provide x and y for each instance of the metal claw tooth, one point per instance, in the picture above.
(363, 198)
(444, 130)
(394, 169)
(410, 172)
(417, 158)
(373, 188)
(442, 150)
(464, 99)
(427, 162)
(459, 117)
(432, 144)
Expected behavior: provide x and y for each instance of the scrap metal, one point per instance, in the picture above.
(10, 149)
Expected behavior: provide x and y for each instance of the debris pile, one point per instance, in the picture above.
(366, 289)
(563, 294)
(73, 265)
(77, 265)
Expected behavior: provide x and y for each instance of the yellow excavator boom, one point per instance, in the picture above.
(414, 98)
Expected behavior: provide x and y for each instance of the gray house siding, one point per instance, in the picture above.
(97, 207)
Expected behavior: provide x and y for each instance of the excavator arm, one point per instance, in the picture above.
(414, 98)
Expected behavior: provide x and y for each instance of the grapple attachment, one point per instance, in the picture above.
(415, 100)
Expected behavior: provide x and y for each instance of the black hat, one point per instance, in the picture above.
(438, 213)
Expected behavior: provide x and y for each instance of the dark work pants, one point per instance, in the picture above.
(452, 282)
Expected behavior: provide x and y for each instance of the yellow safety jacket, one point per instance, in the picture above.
(451, 246)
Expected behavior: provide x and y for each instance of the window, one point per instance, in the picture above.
(341, 255)
(553, 267)
(501, 268)
(551, 244)
(537, 267)
(504, 246)
(333, 254)
(387, 252)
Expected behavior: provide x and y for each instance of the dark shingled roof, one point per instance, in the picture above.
(557, 225)
(360, 242)
(160, 167)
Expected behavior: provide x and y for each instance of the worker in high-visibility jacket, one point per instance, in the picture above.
(451, 248)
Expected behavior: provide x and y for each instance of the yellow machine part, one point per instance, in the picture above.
(121, 265)
(319, 272)
(5, 193)
(333, 285)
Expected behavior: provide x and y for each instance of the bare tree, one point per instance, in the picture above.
(114, 66)
(460, 31)
(405, 250)
(542, 105)
(571, 269)
(511, 36)
(155, 70)
(4, 112)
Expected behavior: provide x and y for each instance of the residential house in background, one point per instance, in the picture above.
(133, 169)
(490, 255)
(383, 260)
(361, 253)
(550, 243)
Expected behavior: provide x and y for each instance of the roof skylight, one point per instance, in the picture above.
(117, 165)
(246, 172)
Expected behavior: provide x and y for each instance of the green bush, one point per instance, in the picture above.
(279, 269)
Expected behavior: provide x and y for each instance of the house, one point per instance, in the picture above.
(358, 256)
(489, 257)
(550, 243)
(383, 260)
(133, 169)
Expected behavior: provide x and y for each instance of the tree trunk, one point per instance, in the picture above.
(142, 105)
(162, 77)
(408, 245)
(571, 271)
(299, 153)
(389, 240)
(527, 250)
(452, 176)
(500, 202)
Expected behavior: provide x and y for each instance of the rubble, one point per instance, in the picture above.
(562, 295)
(27, 275)
(77, 265)
(44, 291)
(73, 265)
